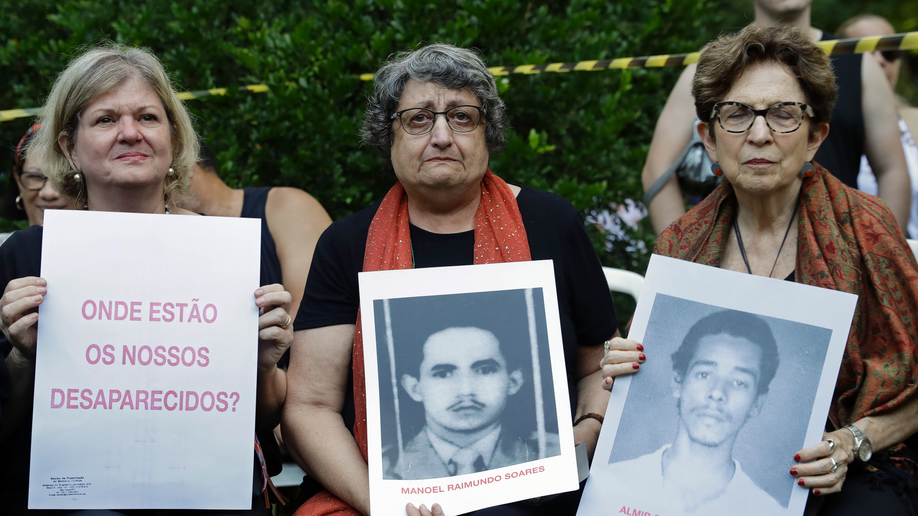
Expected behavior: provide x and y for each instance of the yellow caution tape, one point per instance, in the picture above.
(903, 41)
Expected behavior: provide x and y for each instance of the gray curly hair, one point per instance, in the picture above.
(446, 65)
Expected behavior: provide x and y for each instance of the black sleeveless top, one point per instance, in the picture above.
(841, 152)
(253, 207)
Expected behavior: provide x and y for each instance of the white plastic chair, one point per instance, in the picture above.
(624, 281)
(914, 245)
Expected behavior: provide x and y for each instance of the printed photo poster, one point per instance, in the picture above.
(739, 376)
(146, 362)
(467, 397)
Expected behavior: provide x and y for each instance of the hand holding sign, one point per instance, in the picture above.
(19, 312)
(275, 333)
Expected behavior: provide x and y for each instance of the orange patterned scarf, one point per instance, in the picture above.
(499, 237)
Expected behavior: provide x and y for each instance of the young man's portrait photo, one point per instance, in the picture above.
(731, 392)
(462, 398)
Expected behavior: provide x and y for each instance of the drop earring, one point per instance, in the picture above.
(808, 170)
(716, 170)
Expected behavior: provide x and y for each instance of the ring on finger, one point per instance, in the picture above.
(607, 344)
(831, 445)
(286, 322)
(834, 467)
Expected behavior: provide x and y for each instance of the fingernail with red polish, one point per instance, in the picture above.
(636, 366)
(801, 482)
(797, 457)
(793, 471)
(642, 357)
(640, 347)
(815, 491)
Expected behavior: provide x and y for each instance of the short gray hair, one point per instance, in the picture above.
(445, 65)
(95, 73)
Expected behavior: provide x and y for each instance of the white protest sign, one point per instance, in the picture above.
(467, 398)
(146, 362)
(739, 376)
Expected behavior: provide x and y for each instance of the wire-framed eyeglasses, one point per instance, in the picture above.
(33, 180)
(419, 121)
(782, 118)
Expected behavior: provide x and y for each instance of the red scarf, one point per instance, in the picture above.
(499, 237)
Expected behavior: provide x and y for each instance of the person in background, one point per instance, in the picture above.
(863, 123)
(291, 221)
(891, 62)
(33, 193)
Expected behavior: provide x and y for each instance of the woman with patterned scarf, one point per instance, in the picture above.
(436, 116)
(765, 96)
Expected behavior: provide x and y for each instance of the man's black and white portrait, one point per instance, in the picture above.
(711, 422)
(465, 383)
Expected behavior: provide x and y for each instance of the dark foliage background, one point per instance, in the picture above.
(583, 135)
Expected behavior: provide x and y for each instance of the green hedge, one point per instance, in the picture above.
(583, 135)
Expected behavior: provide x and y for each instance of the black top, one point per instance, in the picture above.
(841, 152)
(253, 207)
(254, 201)
(20, 256)
(555, 231)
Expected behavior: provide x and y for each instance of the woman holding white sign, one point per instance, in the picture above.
(115, 137)
(765, 96)
(436, 117)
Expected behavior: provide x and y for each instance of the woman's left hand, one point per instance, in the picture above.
(275, 325)
(815, 471)
(623, 356)
(435, 510)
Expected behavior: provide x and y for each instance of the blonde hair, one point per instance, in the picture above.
(94, 73)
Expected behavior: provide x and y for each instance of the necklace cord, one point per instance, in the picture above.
(742, 248)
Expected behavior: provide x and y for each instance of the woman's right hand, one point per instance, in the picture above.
(435, 510)
(19, 312)
(623, 356)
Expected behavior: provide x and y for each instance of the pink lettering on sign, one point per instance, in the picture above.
(122, 308)
(141, 399)
(158, 311)
(154, 312)
(135, 310)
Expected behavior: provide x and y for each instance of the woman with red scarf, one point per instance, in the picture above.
(765, 96)
(436, 116)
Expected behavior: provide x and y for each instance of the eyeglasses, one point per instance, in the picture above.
(890, 56)
(33, 180)
(418, 121)
(783, 117)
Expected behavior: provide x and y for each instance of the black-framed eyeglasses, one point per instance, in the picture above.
(891, 55)
(33, 180)
(419, 121)
(782, 118)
